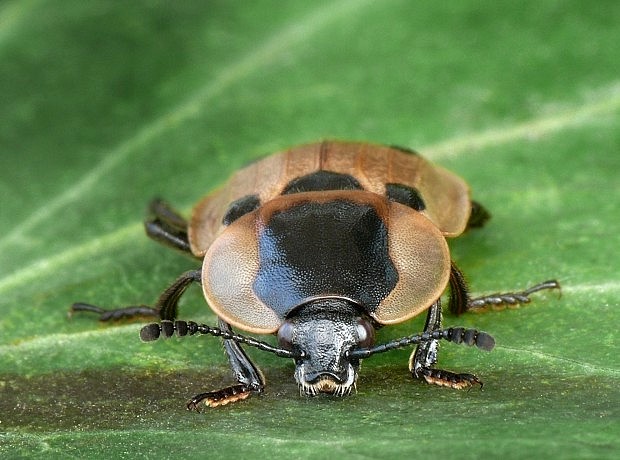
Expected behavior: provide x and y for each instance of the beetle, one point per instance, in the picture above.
(321, 245)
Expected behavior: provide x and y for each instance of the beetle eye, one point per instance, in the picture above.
(365, 333)
(285, 335)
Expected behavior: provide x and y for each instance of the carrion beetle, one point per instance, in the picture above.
(321, 245)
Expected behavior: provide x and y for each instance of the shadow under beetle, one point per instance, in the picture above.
(323, 244)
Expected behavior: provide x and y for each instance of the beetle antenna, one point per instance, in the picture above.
(467, 337)
(165, 329)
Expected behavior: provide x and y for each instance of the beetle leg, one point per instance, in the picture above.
(165, 308)
(162, 210)
(509, 298)
(425, 354)
(168, 301)
(424, 358)
(167, 226)
(478, 217)
(132, 311)
(248, 376)
(460, 302)
(458, 381)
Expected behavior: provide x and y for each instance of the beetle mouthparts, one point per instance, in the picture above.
(325, 382)
(326, 385)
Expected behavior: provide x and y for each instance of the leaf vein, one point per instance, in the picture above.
(590, 368)
(608, 102)
(264, 54)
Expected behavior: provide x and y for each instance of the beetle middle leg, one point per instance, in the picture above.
(165, 308)
(509, 298)
(461, 302)
(248, 376)
(424, 358)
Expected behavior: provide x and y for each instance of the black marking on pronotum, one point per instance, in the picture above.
(321, 181)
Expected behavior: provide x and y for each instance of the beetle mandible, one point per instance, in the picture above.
(321, 245)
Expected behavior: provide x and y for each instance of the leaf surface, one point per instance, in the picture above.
(107, 104)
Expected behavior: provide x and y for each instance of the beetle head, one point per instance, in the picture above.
(322, 333)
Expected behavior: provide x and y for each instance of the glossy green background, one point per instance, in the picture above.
(104, 105)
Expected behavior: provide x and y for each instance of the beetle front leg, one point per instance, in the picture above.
(424, 358)
(249, 378)
(425, 354)
(165, 308)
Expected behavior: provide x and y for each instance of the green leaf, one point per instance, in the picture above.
(107, 104)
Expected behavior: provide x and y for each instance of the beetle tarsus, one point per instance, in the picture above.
(221, 397)
(458, 381)
(500, 300)
(80, 306)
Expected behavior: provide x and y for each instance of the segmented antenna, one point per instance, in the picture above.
(467, 337)
(166, 329)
